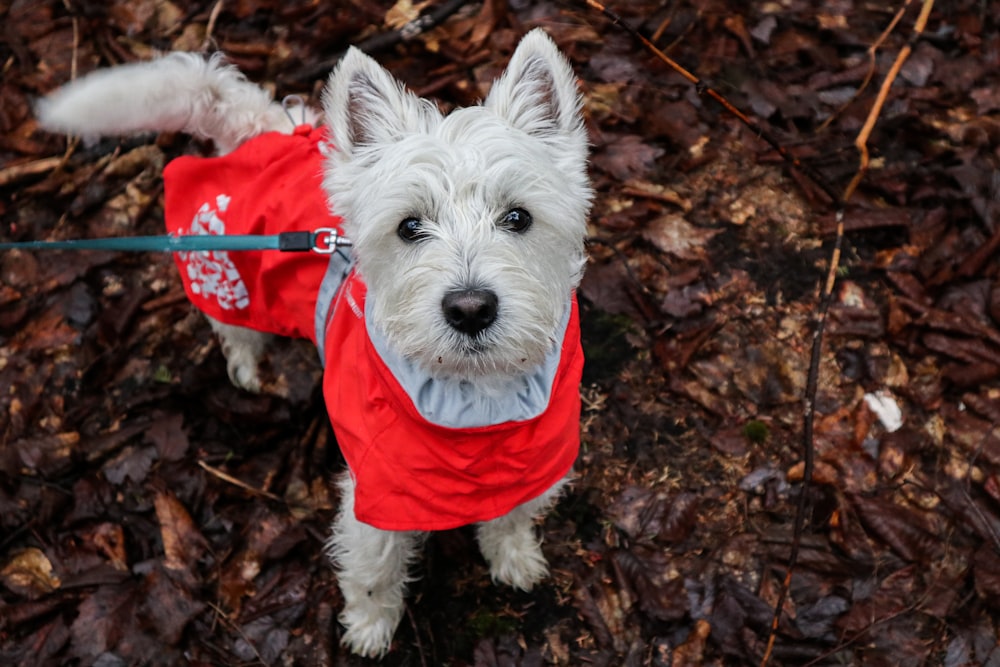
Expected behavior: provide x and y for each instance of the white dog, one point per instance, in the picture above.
(449, 334)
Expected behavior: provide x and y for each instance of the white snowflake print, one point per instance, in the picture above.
(212, 273)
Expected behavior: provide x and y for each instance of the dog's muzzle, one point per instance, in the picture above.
(470, 311)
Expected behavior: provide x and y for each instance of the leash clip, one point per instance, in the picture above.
(294, 100)
(327, 240)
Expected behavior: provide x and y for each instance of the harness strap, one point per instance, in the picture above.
(337, 271)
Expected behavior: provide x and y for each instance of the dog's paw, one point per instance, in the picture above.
(369, 628)
(243, 349)
(243, 372)
(518, 562)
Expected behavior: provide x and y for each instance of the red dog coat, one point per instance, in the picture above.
(425, 454)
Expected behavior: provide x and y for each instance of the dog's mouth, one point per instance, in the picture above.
(475, 346)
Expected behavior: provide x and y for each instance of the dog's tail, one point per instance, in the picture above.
(181, 92)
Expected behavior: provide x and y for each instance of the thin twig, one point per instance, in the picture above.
(210, 28)
(17, 172)
(416, 634)
(872, 65)
(808, 420)
(235, 482)
(235, 627)
(862, 140)
(76, 40)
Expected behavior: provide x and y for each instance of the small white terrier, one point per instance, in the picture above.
(449, 334)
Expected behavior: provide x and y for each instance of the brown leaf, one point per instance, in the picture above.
(895, 593)
(644, 571)
(29, 573)
(678, 121)
(168, 435)
(638, 512)
(103, 619)
(167, 605)
(271, 537)
(49, 331)
(607, 286)
(730, 441)
(680, 518)
(977, 437)
(183, 545)
(131, 463)
(627, 157)
(48, 455)
(977, 515)
(599, 615)
(673, 234)
(900, 528)
(645, 515)
(109, 539)
(685, 302)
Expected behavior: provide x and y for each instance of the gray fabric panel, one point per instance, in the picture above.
(340, 265)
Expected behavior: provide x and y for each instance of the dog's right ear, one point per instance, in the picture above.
(366, 107)
(538, 92)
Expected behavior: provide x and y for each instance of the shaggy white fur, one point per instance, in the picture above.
(470, 222)
(398, 157)
(180, 92)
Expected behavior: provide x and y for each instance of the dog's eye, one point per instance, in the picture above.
(516, 220)
(411, 230)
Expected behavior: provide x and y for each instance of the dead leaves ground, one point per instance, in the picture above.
(152, 514)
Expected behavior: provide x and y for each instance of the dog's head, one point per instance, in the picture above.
(468, 228)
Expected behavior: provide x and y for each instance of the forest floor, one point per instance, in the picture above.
(152, 514)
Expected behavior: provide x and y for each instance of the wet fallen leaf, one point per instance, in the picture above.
(900, 527)
(167, 605)
(169, 437)
(183, 545)
(104, 618)
(646, 573)
(628, 157)
(29, 573)
(673, 234)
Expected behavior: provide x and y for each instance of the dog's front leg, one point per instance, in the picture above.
(511, 546)
(373, 570)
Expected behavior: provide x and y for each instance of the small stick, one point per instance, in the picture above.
(808, 419)
(23, 170)
(861, 142)
(235, 482)
(210, 28)
(872, 50)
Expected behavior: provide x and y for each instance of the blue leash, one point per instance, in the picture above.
(325, 241)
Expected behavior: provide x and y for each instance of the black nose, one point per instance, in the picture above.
(470, 311)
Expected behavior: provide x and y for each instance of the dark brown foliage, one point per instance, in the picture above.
(151, 514)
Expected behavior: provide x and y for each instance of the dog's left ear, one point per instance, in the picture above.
(538, 92)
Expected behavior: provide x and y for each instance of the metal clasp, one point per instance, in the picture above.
(326, 241)
(294, 100)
